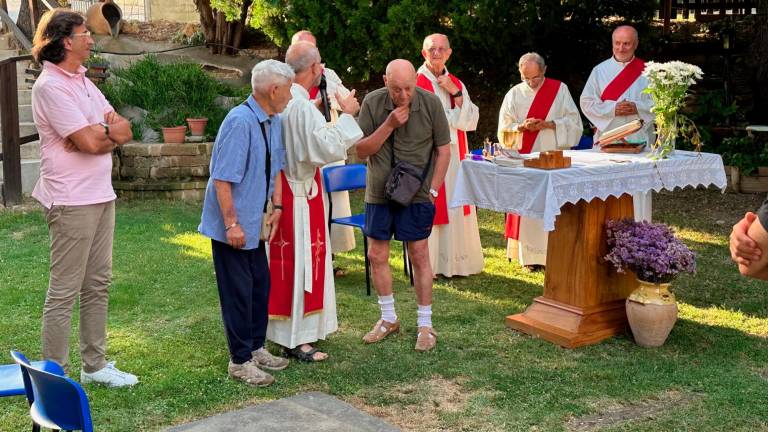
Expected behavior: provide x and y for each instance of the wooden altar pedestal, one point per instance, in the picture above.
(583, 301)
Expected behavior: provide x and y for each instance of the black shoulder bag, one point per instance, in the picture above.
(405, 179)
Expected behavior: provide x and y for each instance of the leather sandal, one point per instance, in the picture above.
(381, 330)
(426, 339)
(305, 356)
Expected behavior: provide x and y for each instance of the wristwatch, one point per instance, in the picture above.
(457, 94)
(433, 193)
(106, 127)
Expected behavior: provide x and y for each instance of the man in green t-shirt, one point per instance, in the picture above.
(403, 122)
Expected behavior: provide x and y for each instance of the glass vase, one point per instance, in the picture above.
(666, 135)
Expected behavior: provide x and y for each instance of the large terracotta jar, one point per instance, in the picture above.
(652, 312)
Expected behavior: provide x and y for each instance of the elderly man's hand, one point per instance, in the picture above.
(625, 108)
(236, 237)
(398, 116)
(349, 105)
(530, 124)
(445, 83)
(274, 223)
(744, 250)
(70, 146)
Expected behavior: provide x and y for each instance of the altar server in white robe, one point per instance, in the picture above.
(302, 301)
(541, 116)
(613, 96)
(342, 237)
(454, 245)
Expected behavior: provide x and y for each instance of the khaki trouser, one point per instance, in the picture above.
(81, 266)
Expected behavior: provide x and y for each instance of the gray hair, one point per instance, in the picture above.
(270, 72)
(531, 57)
(301, 56)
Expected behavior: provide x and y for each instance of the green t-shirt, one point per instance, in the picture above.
(415, 141)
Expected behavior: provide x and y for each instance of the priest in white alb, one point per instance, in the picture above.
(613, 96)
(536, 115)
(454, 245)
(302, 298)
(342, 237)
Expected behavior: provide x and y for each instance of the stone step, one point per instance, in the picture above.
(27, 128)
(30, 150)
(30, 172)
(25, 96)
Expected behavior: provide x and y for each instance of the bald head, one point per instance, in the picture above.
(400, 80)
(304, 36)
(301, 56)
(435, 38)
(624, 42)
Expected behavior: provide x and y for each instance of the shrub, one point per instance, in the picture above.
(169, 92)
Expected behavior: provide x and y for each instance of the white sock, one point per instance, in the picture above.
(387, 305)
(424, 316)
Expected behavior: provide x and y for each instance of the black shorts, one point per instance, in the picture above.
(410, 223)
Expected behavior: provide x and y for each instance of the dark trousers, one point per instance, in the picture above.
(243, 280)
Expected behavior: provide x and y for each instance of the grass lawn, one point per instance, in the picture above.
(165, 326)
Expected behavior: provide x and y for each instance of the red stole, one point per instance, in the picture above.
(539, 109)
(441, 203)
(282, 259)
(623, 80)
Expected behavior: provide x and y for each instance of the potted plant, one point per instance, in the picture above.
(197, 123)
(171, 122)
(652, 252)
(97, 66)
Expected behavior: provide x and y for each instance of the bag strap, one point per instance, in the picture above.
(268, 158)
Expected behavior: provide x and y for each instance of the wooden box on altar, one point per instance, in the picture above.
(549, 160)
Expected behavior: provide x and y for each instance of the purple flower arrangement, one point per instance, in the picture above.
(648, 249)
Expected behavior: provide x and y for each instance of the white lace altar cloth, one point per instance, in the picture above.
(539, 194)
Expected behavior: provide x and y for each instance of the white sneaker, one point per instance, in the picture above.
(110, 376)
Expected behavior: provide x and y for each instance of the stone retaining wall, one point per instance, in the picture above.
(165, 171)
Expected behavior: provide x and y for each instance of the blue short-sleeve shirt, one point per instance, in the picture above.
(239, 157)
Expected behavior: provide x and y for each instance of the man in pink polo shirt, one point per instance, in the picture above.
(78, 131)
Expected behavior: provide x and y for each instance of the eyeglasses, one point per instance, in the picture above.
(437, 50)
(85, 33)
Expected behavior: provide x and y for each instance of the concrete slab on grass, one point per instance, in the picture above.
(315, 411)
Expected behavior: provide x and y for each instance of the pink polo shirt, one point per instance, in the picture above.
(63, 103)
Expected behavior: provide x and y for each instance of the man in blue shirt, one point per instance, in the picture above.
(247, 156)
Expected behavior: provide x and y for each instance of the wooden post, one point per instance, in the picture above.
(34, 15)
(9, 117)
(666, 14)
(583, 300)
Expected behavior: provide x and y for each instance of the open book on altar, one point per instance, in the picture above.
(613, 141)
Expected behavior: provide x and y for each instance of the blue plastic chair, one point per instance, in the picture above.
(11, 380)
(56, 402)
(585, 143)
(348, 178)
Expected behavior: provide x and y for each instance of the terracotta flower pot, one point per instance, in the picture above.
(174, 134)
(197, 125)
(652, 312)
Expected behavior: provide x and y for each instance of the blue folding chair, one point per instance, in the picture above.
(585, 143)
(347, 178)
(56, 402)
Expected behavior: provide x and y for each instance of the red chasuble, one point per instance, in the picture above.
(539, 109)
(282, 257)
(623, 80)
(441, 203)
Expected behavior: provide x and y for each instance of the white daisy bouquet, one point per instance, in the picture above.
(668, 85)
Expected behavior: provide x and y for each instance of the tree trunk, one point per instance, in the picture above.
(24, 21)
(220, 34)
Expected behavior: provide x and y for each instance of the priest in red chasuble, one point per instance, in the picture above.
(613, 96)
(302, 298)
(454, 245)
(538, 114)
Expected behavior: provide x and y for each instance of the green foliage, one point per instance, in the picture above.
(358, 38)
(169, 92)
(745, 153)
